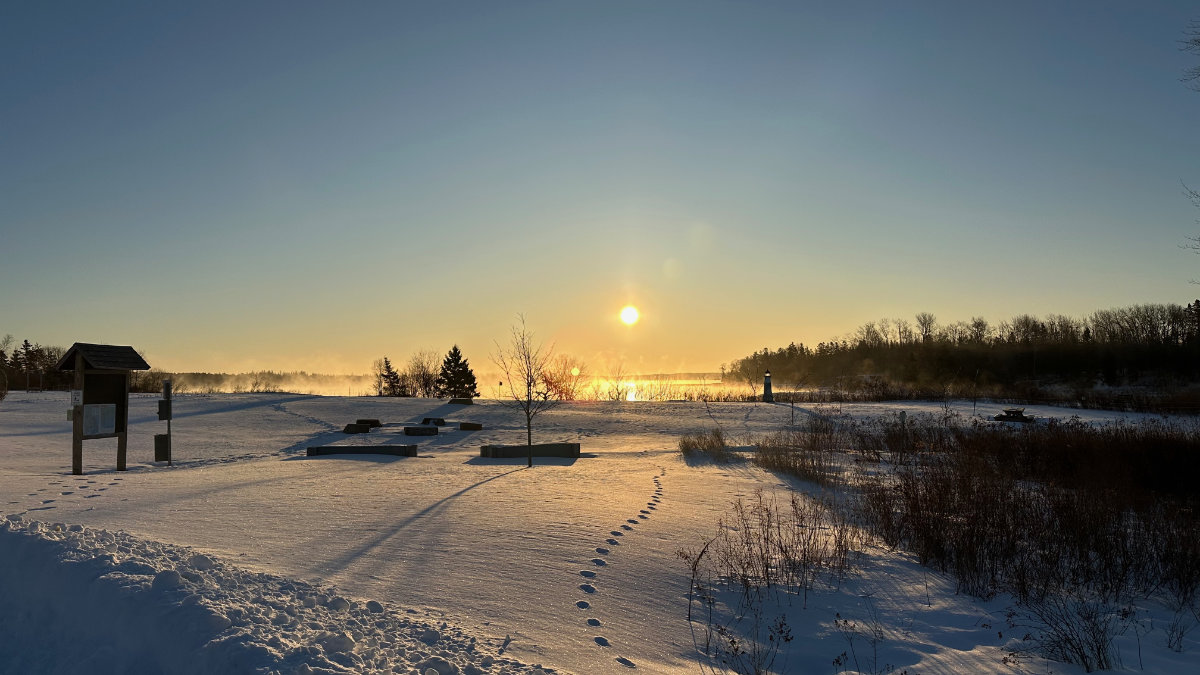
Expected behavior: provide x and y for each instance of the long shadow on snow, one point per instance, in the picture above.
(513, 461)
(440, 411)
(340, 564)
(234, 407)
(365, 456)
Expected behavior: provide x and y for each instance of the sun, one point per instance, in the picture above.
(629, 315)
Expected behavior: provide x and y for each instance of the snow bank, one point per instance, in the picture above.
(83, 600)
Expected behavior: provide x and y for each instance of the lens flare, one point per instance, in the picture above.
(629, 315)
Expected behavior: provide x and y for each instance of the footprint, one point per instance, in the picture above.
(617, 533)
(626, 662)
(47, 501)
(626, 527)
(599, 562)
(68, 492)
(643, 511)
(603, 642)
(602, 551)
(587, 573)
(649, 506)
(583, 604)
(631, 520)
(644, 517)
(587, 588)
(90, 496)
(593, 622)
(612, 542)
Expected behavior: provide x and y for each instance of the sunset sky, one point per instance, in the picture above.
(311, 185)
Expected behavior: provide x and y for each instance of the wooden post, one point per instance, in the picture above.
(124, 424)
(77, 421)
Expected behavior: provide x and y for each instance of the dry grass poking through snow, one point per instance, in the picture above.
(711, 444)
(1082, 525)
(763, 555)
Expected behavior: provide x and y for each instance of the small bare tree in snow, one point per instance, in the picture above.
(524, 363)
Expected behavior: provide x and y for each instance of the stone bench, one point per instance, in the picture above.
(420, 431)
(394, 450)
(470, 426)
(369, 421)
(569, 450)
(356, 429)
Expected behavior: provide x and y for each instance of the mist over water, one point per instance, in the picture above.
(662, 387)
(268, 381)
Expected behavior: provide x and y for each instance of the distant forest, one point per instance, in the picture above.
(30, 366)
(1143, 354)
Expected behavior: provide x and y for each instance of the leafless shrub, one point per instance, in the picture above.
(811, 454)
(711, 444)
(1183, 621)
(762, 552)
(1071, 629)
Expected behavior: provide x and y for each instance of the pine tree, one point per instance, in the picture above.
(390, 379)
(456, 379)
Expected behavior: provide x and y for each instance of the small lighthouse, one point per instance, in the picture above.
(768, 397)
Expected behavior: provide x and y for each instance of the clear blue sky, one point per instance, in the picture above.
(311, 185)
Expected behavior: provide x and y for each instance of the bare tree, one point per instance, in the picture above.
(422, 372)
(524, 364)
(377, 376)
(925, 324)
(565, 376)
(1191, 44)
(1193, 242)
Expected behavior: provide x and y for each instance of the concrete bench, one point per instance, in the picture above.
(356, 429)
(420, 431)
(470, 426)
(394, 450)
(569, 450)
(369, 421)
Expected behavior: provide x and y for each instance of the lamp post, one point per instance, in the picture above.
(768, 397)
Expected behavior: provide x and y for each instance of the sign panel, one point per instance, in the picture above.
(76, 397)
(99, 419)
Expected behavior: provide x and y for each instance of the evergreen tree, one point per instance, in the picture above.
(390, 379)
(456, 380)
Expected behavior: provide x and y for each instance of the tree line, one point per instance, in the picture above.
(1151, 344)
(422, 376)
(29, 365)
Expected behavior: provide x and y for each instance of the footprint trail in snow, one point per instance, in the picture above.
(601, 562)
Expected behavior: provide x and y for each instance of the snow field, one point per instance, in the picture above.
(571, 564)
(95, 601)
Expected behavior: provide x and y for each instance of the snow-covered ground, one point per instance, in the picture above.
(249, 555)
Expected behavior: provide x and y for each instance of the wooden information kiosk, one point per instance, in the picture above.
(100, 395)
